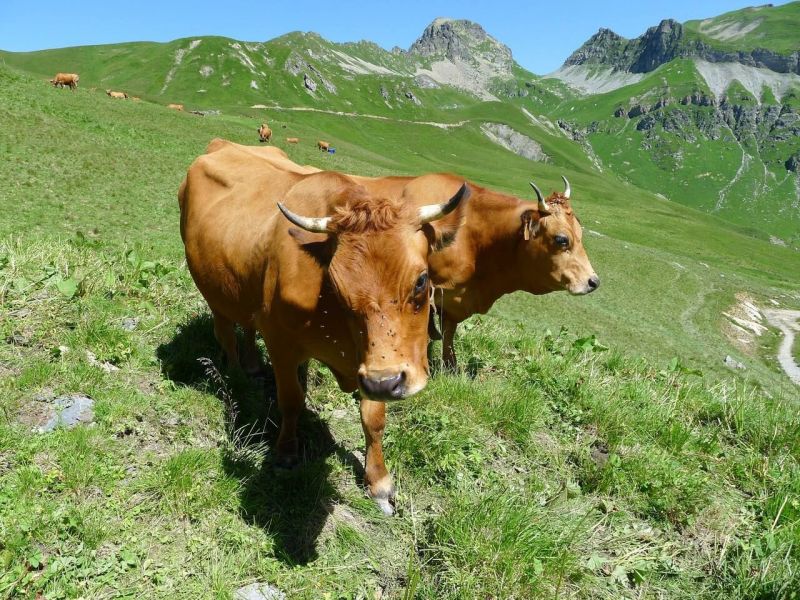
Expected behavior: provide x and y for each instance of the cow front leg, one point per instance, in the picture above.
(379, 482)
(225, 333)
(250, 357)
(291, 400)
(448, 348)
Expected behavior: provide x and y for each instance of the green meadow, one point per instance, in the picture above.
(588, 447)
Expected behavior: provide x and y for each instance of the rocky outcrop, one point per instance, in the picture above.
(310, 84)
(412, 97)
(460, 53)
(512, 140)
(665, 42)
(461, 40)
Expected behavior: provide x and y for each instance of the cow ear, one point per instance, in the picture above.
(530, 224)
(319, 246)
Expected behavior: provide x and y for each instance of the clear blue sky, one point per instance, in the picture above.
(540, 34)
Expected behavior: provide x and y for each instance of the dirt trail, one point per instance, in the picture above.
(788, 321)
(353, 114)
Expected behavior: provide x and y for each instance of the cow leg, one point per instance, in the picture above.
(448, 349)
(291, 400)
(250, 358)
(378, 480)
(226, 337)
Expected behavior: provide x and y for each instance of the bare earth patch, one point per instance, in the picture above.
(744, 324)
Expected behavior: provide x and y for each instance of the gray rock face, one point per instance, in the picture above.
(637, 111)
(259, 591)
(413, 98)
(665, 42)
(462, 40)
(425, 82)
(384, 93)
(294, 63)
(309, 83)
(514, 141)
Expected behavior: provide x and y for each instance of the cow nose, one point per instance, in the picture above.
(594, 282)
(383, 385)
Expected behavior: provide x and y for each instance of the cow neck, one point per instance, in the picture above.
(481, 261)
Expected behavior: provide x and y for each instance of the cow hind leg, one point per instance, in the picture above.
(378, 480)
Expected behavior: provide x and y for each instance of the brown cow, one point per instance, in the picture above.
(341, 277)
(506, 244)
(323, 145)
(178, 107)
(264, 133)
(118, 95)
(68, 79)
(292, 140)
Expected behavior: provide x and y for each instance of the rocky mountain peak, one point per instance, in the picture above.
(461, 40)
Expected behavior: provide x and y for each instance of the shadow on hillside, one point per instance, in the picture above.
(292, 507)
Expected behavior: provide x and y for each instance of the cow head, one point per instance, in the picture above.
(378, 267)
(552, 253)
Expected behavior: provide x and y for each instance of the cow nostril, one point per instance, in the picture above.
(398, 385)
(594, 282)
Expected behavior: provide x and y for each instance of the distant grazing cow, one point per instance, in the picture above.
(175, 106)
(118, 95)
(292, 140)
(344, 280)
(323, 145)
(68, 79)
(264, 133)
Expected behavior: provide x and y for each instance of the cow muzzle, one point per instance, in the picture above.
(383, 385)
(587, 287)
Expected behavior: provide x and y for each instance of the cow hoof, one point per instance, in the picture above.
(383, 494)
(385, 505)
(287, 463)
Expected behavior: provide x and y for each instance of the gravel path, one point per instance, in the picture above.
(788, 321)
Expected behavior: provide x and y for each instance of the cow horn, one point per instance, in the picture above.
(431, 212)
(567, 189)
(315, 224)
(543, 208)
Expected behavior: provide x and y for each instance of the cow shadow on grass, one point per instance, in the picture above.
(291, 507)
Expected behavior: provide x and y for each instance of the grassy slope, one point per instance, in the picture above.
(692, 172)
(776, 28)
(164, 498)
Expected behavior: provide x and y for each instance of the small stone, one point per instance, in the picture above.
(129, 323)
(732, 363)
(70, 411)
(19, 339)
(106, 366)
(259, 591)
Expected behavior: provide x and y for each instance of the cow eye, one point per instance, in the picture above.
(421, 285)
(562, 240)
